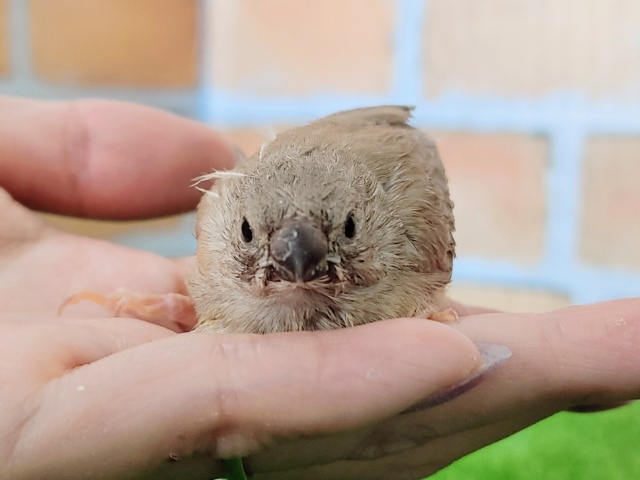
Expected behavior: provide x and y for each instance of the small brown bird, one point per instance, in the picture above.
(338, 223)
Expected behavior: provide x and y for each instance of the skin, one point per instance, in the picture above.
(96, 397)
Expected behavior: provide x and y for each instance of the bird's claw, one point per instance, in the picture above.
(448, 315)
(171, 310)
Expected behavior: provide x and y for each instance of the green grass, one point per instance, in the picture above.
(567, 446)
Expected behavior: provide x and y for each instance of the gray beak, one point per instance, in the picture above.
(299, 249)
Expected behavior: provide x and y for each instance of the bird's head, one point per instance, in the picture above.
(295, 231)
(303, 223)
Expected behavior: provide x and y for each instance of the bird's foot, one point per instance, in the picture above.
(171, 310)
(448, 315)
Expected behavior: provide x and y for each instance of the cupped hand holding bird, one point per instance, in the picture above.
(86, 396)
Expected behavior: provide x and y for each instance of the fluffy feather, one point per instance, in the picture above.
(367, 164)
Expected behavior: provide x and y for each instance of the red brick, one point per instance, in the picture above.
(497, 185)
(528, 47)
(301, 47)
(115, 42)
(611, 202)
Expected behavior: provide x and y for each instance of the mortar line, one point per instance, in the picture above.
(563, 194)
(408, 69)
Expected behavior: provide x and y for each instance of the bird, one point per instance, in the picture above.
(344, 221)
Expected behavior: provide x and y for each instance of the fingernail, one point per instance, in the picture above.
(493, 355)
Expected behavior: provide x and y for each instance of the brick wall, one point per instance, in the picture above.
(535, 106)
(145, 51)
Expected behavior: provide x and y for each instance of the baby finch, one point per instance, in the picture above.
(338, 223)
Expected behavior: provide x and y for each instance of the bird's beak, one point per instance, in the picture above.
(299, 250)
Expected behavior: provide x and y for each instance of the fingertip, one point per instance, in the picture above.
(106, 159)
(413, 358)
(329, 381)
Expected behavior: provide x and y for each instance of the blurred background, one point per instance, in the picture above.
(535, 105)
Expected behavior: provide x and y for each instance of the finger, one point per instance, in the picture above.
(439, 452)
(430, 457)
(404, 452)
(76, 264)
(230, 395)
(574, 356)
(104, 159)
(414, 462)
(66, 343)
(591, 408)
(391, 435)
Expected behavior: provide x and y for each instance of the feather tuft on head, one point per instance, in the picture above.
(212, 177)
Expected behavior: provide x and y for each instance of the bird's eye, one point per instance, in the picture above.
(350, 227)
(247, 233)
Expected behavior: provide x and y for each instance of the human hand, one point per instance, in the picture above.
(570, 358)
(101, 398)
(118, 398)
